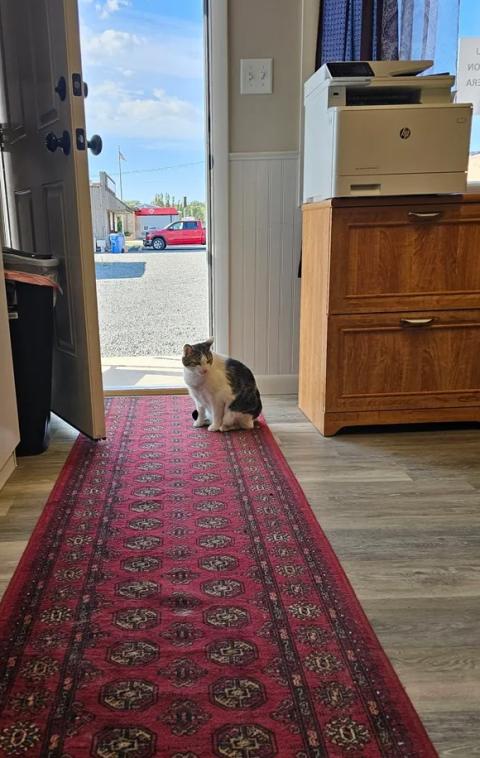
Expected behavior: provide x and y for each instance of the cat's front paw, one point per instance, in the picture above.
(199, 423)
(214, 428)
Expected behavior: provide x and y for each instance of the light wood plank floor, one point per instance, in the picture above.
(402, 510)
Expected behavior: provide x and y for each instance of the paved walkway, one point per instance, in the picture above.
(142, 372)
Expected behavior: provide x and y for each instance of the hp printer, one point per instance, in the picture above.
(378, 128)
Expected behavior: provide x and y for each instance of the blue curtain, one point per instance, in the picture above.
(357, 30)
(429, 29)
(389, 29)
(388, 35)
(340, 30)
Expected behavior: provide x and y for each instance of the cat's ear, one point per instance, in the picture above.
(209, 342)
(187, 350)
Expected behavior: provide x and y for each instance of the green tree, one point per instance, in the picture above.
(197, 209)
(158, 200)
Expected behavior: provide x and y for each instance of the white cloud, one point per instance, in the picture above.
(108, 44)
(177, 56)
(116, 111)
(110, 6)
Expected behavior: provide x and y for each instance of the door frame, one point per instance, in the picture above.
(217, 168)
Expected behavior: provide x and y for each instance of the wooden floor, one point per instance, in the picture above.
(402, 510)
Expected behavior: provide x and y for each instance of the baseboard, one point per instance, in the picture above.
(7, 469)
(277, 384)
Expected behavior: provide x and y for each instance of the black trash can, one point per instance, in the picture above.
(31, 281)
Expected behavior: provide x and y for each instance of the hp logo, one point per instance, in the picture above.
(405, 132)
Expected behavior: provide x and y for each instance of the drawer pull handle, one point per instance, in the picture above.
(416, 322)
(424, 216)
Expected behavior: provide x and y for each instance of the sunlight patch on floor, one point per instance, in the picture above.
(142, 372)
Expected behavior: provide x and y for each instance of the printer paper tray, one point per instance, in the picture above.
(399, 184)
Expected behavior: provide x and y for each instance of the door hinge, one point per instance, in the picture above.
(5, 135)
(9, 134)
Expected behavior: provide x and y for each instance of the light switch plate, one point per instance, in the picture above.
(256, 76)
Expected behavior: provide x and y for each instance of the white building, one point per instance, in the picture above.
(109, 213)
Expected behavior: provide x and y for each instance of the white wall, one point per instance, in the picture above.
(265, 218)
(265, 244)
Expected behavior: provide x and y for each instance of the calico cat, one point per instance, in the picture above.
(224, 390)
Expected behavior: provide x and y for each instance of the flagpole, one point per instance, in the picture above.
(120, 172)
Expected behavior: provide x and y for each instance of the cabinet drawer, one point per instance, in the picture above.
(410, 257)
(404, 360)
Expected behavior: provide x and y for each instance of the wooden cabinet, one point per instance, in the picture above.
(390, 311)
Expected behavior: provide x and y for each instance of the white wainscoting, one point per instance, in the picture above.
(264, 256)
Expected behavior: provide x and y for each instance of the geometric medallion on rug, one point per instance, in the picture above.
(178, 598)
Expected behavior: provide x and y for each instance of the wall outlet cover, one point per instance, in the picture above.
(256, 76)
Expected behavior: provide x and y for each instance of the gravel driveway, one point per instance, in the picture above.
(150, 303)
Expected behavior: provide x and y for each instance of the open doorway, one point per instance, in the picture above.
(144, 65)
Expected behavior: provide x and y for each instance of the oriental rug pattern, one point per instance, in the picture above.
(178, 598)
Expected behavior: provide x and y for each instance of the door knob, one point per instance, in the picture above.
(54, 143)
(85, 89)
(95, 144)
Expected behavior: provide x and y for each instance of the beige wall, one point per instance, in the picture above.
(265, 29)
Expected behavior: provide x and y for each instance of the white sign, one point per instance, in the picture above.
(468, 72)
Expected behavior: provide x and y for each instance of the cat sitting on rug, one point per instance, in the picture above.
(224, 390)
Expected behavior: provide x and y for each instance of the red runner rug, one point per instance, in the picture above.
(178, 598)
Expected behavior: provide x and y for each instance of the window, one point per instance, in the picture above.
(176, 227)
(447, 32)
(189, 224)
(469, 76)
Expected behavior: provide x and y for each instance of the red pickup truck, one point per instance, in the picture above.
(186, 232)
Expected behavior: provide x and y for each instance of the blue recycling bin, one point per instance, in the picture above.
(117, 242)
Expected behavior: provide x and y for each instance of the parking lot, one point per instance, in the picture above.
(150, 303)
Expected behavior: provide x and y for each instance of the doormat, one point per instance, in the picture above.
(178, 598)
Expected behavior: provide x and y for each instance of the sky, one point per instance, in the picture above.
(143, 62)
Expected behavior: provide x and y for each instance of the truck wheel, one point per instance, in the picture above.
(159, 243)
